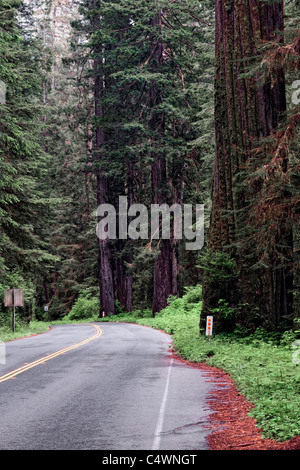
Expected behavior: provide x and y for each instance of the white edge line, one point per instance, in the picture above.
(160, 421)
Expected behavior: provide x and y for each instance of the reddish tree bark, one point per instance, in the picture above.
(248, 107)
(106, 283)
(166, 264)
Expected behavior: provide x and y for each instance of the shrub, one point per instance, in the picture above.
(193, 294)
(85, 307)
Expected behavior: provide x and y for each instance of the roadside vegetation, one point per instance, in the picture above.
(264, 365)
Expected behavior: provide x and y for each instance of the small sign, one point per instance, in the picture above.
(3, 92)
(209, 326)
(14, 298)
(46, 308)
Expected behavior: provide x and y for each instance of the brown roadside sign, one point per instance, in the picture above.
(14, 298)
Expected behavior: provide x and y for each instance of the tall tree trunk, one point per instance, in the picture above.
(106, 283)
(166, 264)
(128, 258)
(247, 108)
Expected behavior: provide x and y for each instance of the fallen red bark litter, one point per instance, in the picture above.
(232, 427)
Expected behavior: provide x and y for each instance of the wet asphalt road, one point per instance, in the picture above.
(108, 386)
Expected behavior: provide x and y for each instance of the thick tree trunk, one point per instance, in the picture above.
(106, 283)
(128, 275)
(123, 249)
(123, 279)
(163, 265)
(166, 264)
(247, 108)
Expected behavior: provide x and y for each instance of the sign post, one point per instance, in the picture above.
(209, 326)
(13, 298)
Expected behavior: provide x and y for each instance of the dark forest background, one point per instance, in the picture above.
(164, 102)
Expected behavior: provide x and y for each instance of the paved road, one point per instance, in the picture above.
(108, 386)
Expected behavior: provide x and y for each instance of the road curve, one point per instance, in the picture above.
(108, 386)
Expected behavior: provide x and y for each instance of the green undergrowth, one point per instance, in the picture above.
(23, 330)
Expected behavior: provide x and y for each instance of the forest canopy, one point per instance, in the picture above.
(162, 103)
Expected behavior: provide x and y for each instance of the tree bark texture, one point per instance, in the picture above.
(166, 264)
(106, 283)
(248, 107)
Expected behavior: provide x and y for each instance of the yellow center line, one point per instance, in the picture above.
(43, 360)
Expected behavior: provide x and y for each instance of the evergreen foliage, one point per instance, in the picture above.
(23, 204)
(142, 131)
(113, 98)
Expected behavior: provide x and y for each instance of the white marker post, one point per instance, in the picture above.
(209, 326)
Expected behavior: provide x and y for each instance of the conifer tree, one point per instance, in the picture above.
(146, 68)
(23, 161)
(250, 107)
(65, 105)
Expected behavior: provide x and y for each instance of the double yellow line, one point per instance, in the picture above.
(43, 360)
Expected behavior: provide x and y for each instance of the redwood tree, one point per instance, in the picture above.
(249, 108)
(166, 264)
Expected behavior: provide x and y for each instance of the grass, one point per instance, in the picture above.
(261, 367)
(23, 330)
